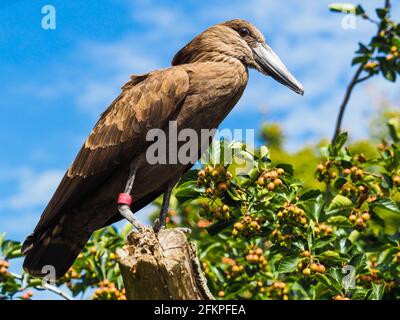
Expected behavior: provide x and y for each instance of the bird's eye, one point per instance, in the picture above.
(244, 32)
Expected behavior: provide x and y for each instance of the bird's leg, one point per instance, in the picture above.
(125, 201)
(162, 219)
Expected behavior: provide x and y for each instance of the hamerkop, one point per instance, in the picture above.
(206, 80)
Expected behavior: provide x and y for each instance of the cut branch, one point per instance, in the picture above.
(161, 266)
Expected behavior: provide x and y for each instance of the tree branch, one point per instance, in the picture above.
(46, 286)
(355, 80)
(346, 99)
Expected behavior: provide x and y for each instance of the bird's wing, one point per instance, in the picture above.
(145, 102)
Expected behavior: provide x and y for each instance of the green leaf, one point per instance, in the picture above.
(189, 176)
(340, 221)
(336, 276)
(338, 144)
(389, 212)
(187, 191)
(347, 8)
(218, 226)
(396, 41)
(344, 245)
(359, 294)
(288, 264)
(359, 59)
(310, 194)
(330, 254)
(264, 154)
(377, 291)
(363, 49)
(394, 128)
(324, 280)
(287, 167)
(317, 206)
(322, 242)
(389, 74)
(381, 13)
(339, 203)
(358, 261)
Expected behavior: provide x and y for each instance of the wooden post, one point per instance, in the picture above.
(161, 266)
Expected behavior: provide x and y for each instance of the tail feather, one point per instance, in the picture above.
(51, 251)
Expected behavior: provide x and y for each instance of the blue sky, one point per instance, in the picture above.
(55, 83)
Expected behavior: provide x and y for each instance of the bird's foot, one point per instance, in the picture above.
(126, 212)
(158, 226)
(184, 230)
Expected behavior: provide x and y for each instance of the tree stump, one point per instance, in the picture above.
(162, 266)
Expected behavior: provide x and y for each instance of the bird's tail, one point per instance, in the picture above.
(50, 253)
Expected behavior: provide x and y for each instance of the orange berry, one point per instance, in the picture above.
(271, 186)
(366, 216)
(360, 221)
(222, 186)
(305, 253)
(321, 268)
(314, 267)
(306, 271)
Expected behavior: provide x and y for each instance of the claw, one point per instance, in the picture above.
(184, 230)
(158, 226)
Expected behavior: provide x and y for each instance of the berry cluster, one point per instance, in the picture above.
(235, 271)
(355, 172)
(222, 212)
(271, 178)
(394, 53)
(290, 214)
(313, 268)
(359, 218)
(325, 172)
(108, 291)
(27, 295)
(247, 227)
(323, 229)
(71, 274)
(255, 257)
(215, 180)
(373, 275)
(279, 290)
(278, 237)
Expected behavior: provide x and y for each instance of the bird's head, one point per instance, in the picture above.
(240, 40)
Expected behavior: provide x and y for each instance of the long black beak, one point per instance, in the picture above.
(271, 65)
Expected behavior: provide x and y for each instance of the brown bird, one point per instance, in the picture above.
(206, 80)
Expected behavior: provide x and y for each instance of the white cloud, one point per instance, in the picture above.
(33, 188)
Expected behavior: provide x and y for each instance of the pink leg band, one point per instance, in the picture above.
(125, 198)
